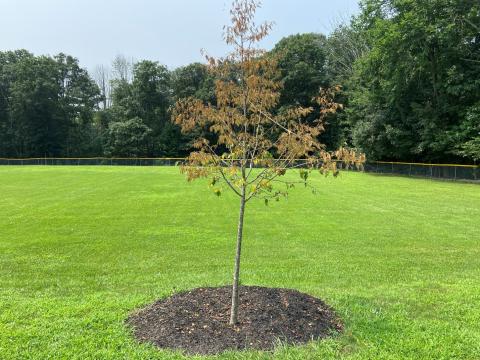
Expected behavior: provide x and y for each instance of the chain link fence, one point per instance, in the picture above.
(94, 161)
(434, 171)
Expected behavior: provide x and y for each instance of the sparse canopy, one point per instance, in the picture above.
(254, 147)
(248, 134)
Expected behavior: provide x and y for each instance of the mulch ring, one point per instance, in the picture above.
(196, 322)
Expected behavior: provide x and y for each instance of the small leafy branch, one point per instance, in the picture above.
(255, 145)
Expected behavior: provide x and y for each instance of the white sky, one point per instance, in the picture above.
(171, 32)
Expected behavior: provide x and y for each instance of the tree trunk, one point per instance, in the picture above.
(236, 272)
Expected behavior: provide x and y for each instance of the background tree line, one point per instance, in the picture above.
(409, 72)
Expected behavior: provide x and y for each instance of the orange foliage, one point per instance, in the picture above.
(249, 133)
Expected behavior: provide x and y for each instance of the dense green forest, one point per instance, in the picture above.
(409, 72)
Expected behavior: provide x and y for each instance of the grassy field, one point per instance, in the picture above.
(82, 247)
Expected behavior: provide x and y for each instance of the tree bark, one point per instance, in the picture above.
(236, 271)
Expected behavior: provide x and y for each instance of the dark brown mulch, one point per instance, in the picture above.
(197, 321)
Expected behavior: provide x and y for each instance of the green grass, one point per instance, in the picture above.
(82, 247)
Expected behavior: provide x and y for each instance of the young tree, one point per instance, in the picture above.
(254, 146)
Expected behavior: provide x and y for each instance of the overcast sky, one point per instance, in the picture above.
(169, 31)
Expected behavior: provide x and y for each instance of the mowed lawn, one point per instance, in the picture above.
(82, 247)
